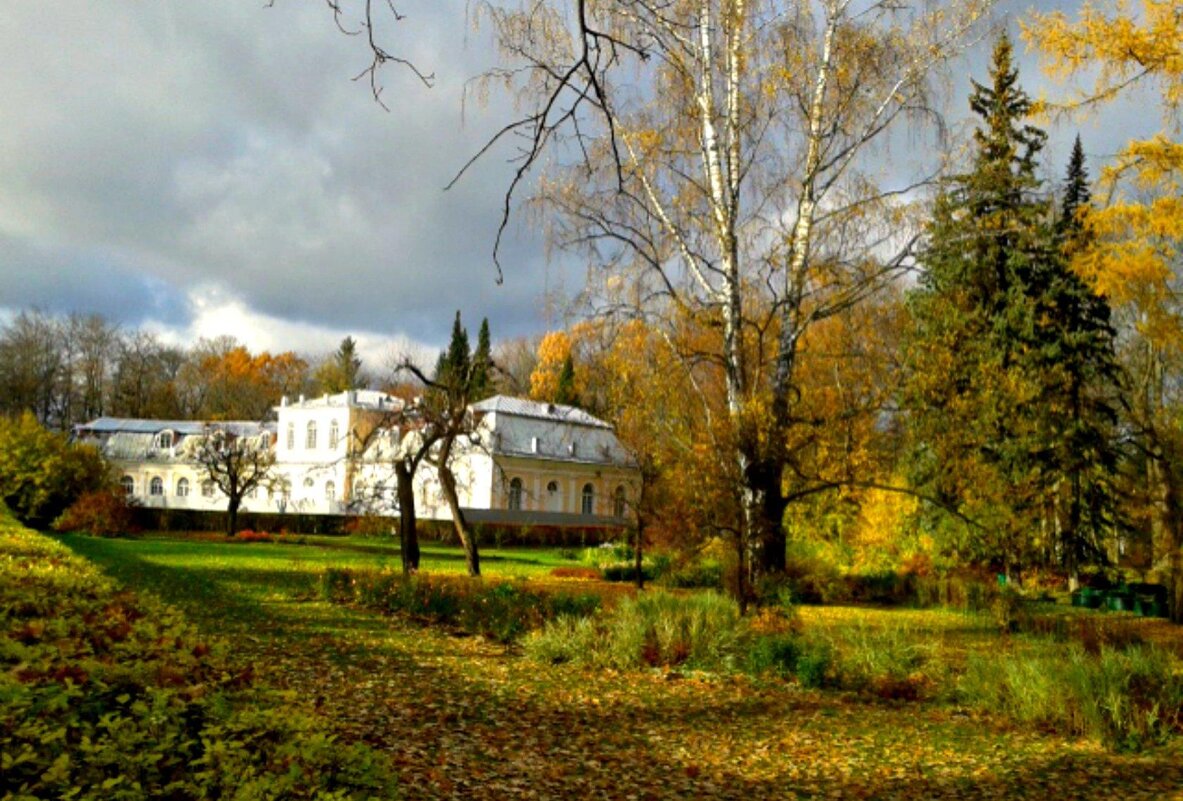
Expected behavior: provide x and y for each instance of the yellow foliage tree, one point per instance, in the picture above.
(553, 351)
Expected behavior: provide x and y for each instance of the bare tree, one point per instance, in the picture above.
(237, 461)
(446, 424)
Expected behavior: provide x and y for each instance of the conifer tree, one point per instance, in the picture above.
(565, 392)
(1009, 352)
(1075, 357)
(481, 381)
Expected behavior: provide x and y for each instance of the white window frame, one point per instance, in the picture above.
(587, 500)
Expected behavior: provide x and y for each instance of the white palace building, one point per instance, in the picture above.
(525, 463)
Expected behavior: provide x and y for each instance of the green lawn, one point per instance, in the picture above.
(248, 585)
(463, 718)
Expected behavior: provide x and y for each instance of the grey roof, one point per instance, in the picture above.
(132, 425)
(554, 412)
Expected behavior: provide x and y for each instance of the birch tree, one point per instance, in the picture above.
(723, 168)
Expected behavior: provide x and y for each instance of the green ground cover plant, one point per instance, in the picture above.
(105, 694)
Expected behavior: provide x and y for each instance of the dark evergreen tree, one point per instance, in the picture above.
(482, 365)
(454, 364)
(348, 363)
(1076, 196)
(565, 390)
(1009, 350)
(1075, 355)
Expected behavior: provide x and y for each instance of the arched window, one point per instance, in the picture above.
(515, 494)
(330, 491)
(554, 501)
(182, 488)
(309, 483)
(587, 501)
(618, 502)
(310, 435)
(334, 434)
(129, 485)
(291, 444)
(207, 489)
(156, 487)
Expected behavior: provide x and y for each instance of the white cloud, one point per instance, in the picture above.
(216, 313)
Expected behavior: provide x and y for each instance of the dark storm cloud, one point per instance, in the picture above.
(175, 146)
(64, 282)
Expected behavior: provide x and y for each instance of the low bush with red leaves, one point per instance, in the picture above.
(246, 535)
(100, 513)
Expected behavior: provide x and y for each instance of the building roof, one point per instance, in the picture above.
(552, 412)
(133, 425)
(354, 399)
(128, 438)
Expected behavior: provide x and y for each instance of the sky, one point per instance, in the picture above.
(209, 168)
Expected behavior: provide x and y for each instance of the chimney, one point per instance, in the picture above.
(533, 444)
(283, 401)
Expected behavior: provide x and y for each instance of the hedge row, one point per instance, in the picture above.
(107, 695)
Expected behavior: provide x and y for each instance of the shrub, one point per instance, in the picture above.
(886, 662)
(625, 571)
(1125, 699)
(100, 513)
(109, 695)
(576, 573)
(368, 526)
(704, 574)
(701, 631)
(777, 654)
(41, 472)
(246, 535)
(336, 585)
(501, 611)
(814, 663)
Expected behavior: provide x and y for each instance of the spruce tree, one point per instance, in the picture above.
(452, 369)
(565, 390)
(348, 363)
(1075, 355)
(1008, 349)
(481, 382)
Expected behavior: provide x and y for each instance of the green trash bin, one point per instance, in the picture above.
(1119, 601)
(1149, 606)
(1089, 598)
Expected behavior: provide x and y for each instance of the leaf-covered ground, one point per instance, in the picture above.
(462, 718)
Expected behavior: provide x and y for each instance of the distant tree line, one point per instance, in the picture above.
(68, 369)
